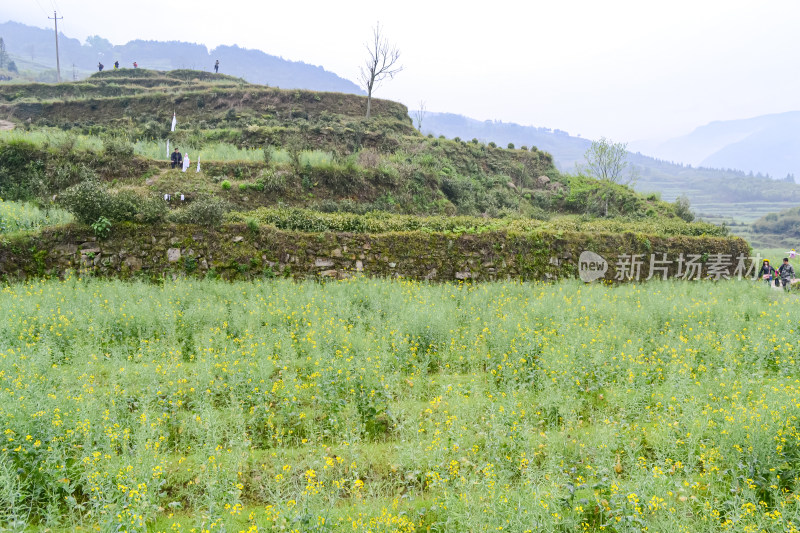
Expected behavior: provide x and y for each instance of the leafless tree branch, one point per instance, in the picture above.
(381, 63)
(419, 114)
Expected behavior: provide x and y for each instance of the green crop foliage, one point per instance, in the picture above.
(371, 405)
(55, 138)
(16, 216)
(381, 222)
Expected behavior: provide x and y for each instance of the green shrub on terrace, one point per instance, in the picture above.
(206, 210)
(601, 198)
(683, 208)
(22, 165)
(117, 149)
(270, 180)
(87, 201)
(381, 222)
(91, 199)
(64, 174)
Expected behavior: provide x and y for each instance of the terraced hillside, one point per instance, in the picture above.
(298, 147)
(99, 149)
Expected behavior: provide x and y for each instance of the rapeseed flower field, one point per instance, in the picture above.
(21, 216)
(378, 405)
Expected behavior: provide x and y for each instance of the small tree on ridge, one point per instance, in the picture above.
(381, 63)
(607, 160)
(419, 115)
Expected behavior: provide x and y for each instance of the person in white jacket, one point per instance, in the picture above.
(186, 161)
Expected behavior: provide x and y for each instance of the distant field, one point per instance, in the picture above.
(377, 405)
(708, 206)
(740, 212)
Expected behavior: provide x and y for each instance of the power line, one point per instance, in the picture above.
(40, 7)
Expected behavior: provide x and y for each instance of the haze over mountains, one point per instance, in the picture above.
(769, 144)
(34, 48)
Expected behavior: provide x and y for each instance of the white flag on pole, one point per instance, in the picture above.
(174, 121)
(198, 163)
(167, 148)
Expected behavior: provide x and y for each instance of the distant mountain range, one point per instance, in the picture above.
(34, 49)
(769, 144)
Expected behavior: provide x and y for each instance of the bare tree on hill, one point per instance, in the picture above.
(381, 63)
(419, 115)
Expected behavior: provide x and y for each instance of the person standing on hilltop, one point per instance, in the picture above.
(177, 159)
(186, 161)
(99, 67)
(116, 65)
(216, 67)
(135, 64)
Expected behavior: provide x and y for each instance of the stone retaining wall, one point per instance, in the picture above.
(236, 252)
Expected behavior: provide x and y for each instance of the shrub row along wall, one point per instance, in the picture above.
(239, 252)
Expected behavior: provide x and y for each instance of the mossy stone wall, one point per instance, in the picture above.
(237, 252)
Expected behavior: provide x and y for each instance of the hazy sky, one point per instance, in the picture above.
(627, 70)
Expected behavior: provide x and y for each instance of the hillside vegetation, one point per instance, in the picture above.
(99, 148)
(775, 230)
(716, 194)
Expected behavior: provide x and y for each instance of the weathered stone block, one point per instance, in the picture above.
(66, 249)
(133, 263)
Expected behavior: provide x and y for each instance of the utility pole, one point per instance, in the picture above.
(58, 61)
(74, 73)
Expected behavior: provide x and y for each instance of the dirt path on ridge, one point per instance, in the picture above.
(6, 125)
